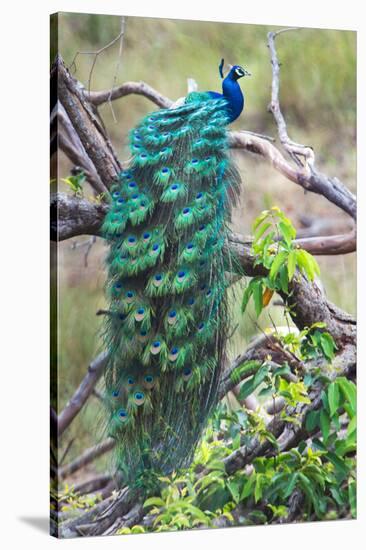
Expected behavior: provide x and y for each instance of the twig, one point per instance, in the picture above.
(86, 387)
(75, 151)
(86, 457)
(98, 52)
(87, 124)
(294, 149)
(262, 136)
(138, 88)
(312, 180)
(92, 485)
(332, 189)
(65, 453)
(88, 244)
(117, 67)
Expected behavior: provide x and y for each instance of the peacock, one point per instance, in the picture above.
(168, 321)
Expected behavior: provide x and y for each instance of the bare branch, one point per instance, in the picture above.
(72, 216)
(86, 387)
(331, 188)
(100, 517)
(92, 485)
(86, 457)
(312, 180)
(96, 53)
(87, 124)
(138, 88)
(81, 217)
(70, 144)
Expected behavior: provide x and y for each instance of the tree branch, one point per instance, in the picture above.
(128, 88)
(312, 180)
(86, 387)
(87, 125)
(86, 457)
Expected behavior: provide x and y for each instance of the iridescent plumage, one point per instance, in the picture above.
(168, 319)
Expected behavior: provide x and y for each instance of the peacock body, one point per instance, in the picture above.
(167, 322)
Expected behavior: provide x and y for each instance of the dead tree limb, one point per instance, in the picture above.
(87, 125)
(312, 180)
(75, 216)
(86, 387)
(128, 88)
(85, 458)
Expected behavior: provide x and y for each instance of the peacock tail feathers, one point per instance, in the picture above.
(167, 321)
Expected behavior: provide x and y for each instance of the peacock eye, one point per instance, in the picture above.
(139, 398)
(122, 413)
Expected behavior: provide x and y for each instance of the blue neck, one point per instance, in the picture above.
(233, 94)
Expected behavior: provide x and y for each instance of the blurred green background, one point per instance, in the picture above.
(318, 98)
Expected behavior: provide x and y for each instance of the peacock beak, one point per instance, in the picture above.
(247, 73)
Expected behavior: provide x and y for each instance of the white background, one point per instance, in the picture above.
(24, 234)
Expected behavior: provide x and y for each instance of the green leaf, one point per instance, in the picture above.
(288, 231)
(291, 486)
(246, 297)
(307, 263)
(260, 231)
(352, 497)
(348, 389)
(246, 389)
(260, 219)
(324, 424)
(333, 398)
(337, 495)
(248, 486)
(260, 375)
(284, 279)
(250, 385)
(312, 420)
(328, 345)
(258, 491)
(352, 426)
(282, 370)
(258, 297)
(309, 491)
(233, 487)
(317, 444)
(154, 501)
(278, 261)
(291, 264)
(338, 463)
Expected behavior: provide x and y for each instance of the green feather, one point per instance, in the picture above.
(167, 320)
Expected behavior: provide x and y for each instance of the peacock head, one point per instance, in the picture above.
(237, 72)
